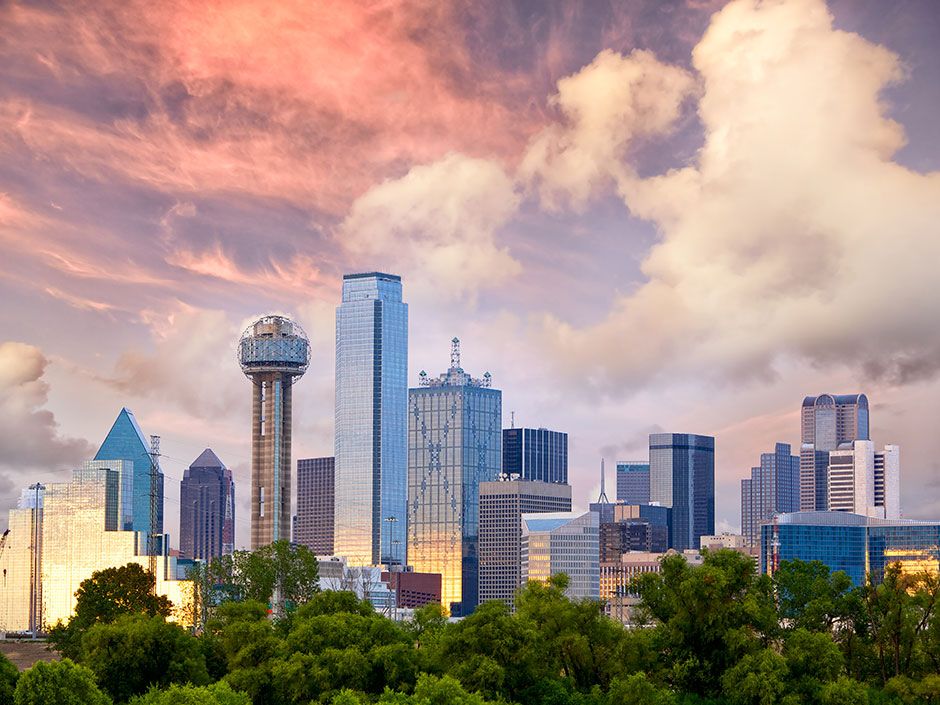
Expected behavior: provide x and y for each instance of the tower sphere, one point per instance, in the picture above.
(274, 344)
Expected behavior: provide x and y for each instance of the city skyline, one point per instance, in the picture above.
(156, 198)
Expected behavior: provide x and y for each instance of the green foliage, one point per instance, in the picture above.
(637, 689)
(813, 598)
(8, 677)
(215, 694)
(136, 653)
(757, 679)
(253, 575)
(59, 682)
(844, 691)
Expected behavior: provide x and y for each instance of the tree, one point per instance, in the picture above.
(105, 596)
(136, 653)
(844, 691)
(757, 679)
(813, 659)
(215, 694)
(637, 689)
(812, 597)
(8, 677)
(254, 575)
(60, 682)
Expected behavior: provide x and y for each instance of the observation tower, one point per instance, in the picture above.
(273, 353)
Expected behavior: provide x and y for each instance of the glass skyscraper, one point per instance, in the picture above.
(536, 454)
(633, 481)
(454, 444)
(371, 482)
(563, 543)
(682, 476)
(313, 523)
(773, 488)
(207, 508)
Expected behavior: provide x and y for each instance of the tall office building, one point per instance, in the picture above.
(273, 353)
(536, 454)
(207, 508)
(826, 422)
(563, 543)
(502, 504)
(371, 479)
(634, 527)
(125, 441)
(682, 476)
(633, 481)
(454, 444)
(863, 481)
(773, 488)
(313, 525)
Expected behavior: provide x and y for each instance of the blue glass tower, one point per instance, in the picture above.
(536, 454)
(125, 441)
(772, 488)
(371, 482)
(682, 476)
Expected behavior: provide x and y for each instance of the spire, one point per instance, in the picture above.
(602, 499)
(455, 353)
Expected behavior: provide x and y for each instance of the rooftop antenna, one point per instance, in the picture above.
(602, 499)
(512, 419)
(455, 353)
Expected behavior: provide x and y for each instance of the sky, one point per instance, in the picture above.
(655, 215)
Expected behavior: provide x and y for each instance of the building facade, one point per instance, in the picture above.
(826, 421)
(371, 427)
(502, 504)
(536, 454)
(682, 477)
(273, 353)
(633, 482)
(858, 545)
(864, 481)
(772, 488)
(454, 444)
(563, 543)
(207, 509)
(313, 523)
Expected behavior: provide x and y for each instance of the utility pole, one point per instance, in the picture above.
(152, 537)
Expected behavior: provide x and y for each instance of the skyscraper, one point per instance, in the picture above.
(454, 444)
(313, 525)
(682, 476)
(865, 481)
(827, 421)
(633, 481)
(536, 454)
(371, 480)
(502, 504)
(125, 441)
(207, 508)
(273, 353)
(773, 488)
(563, 543)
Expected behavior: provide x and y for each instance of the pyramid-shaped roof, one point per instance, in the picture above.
(207, 459)
(124, 434)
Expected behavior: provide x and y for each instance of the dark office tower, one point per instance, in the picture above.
(502, 504)
(633, 482)
(773, 488)
(682, 476)
(313, 525)
(827, 421)
(536, 454)
(207, 509)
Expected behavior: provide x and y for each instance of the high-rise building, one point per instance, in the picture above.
(861, 546)
(682, 476)
(371, 478)
(633, 481)
(634, 527)
(273, 353)
(563, 543)
(773, 488)
(313, 525)
(125, 441)
(502, 504)
(536, 454)
(863, 481)
(827, 421)
(454, 444)
(207, 508)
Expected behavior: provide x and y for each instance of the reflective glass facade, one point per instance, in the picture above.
(536, 454)
(207, 508)
(682, 476)
(313, 524)
(563, 543)
(371, 429)
(454, 444)
(773, 488)
(633, 481)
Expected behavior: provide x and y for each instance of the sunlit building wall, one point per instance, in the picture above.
(563, 543)
(371, 428)
(17, 556)
(864, 481)
(454, 444)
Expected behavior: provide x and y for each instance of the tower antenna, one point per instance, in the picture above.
(455, 353)
(602, 499)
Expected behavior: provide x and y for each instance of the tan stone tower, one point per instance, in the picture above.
(273, 353)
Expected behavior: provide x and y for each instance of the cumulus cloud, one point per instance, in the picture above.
(604, 106)
(439, 223)
(794, 234)
(29, 433)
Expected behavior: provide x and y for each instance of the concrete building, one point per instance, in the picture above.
(207, 509)
(502, 504)
(633, 482)
(313, 523)
(536, 454)
(827, 421)
(371, 426)
(454, 444)
(863, 481)
(772, 488)
(682, 477)
(563, 543)
(273, 353)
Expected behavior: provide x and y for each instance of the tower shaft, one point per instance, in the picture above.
(270, 458)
